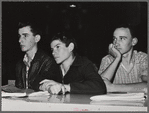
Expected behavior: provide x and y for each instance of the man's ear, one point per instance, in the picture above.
(37, 38)
(134, 41)
(71, 46)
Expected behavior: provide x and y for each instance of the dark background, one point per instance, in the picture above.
(92, 23)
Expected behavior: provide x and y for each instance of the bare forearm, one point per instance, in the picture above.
(129, 87)
(109, 72)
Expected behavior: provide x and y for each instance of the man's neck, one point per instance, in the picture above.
(127, 57)
(31, 53)
(67, 63)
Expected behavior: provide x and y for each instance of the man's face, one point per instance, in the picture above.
(60, 52)
(122, 40)
(27, 39)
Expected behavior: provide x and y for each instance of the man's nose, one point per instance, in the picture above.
(53, 52)
(116, 42)
(20, 40)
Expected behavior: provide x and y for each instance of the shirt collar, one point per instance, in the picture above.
(26, 60)
(133, 57)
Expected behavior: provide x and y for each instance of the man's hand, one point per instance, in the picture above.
(55, 89)
(114, 52)
(45, 84)
(48, 81)
(59, 89)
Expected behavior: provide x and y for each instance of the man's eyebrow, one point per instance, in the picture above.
(123, 36)
(24, 33)
(57, 44)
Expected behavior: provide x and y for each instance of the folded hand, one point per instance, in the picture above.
(55, 89)
(45, 84)
(114, 52)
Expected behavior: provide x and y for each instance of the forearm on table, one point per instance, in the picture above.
(129, 87)
(109, 72)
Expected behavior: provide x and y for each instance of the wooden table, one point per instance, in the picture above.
(68, 102)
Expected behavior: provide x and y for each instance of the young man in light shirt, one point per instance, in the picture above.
(124, 69)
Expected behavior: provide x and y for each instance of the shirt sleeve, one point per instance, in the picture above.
(143, 64)
(92, 83)
(19, 77)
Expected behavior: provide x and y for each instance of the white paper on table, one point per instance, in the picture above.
(127, 96)
(39, 93)
(5, 94)
(118, 103)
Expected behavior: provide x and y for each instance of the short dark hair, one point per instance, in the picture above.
(131, 28)
(34, 27)
(66, 38)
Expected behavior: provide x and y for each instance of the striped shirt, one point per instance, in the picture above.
(140, 67)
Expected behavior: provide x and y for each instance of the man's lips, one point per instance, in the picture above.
(118, 48)
(22, 45)
(56, 57)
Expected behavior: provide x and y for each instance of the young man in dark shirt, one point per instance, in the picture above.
(77, 74)
(36, 64)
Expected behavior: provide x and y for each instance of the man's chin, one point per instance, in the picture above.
(58, 62)
(23, 50)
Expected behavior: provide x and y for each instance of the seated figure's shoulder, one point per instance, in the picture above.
(83, 60)
(140, 55)
(44, 58)
(44, 54)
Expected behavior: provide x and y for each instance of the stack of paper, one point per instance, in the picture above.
(118, 103)
(134, 99)
(127, 96)
(39, 93)
(6, 94)
(40, 96)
